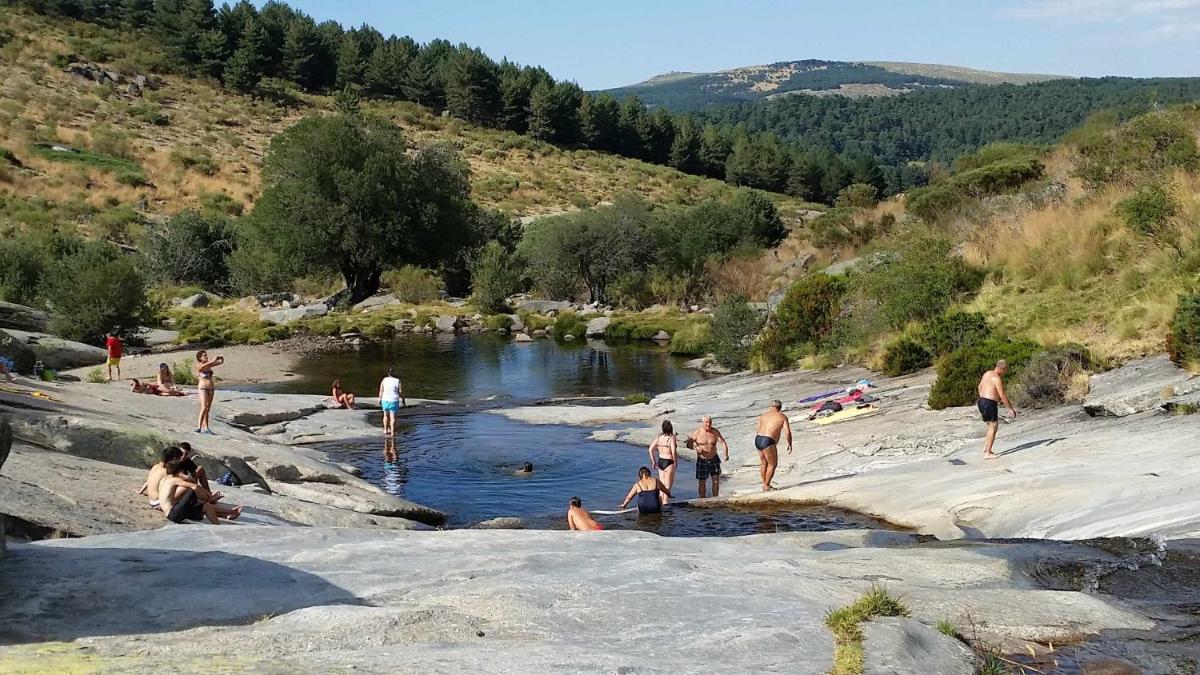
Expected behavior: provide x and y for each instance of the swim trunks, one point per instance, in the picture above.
(708, 467)
(989, 409)
(114, 361)
(390, 406)
(188, 508)
(664, 463)
(763, 442)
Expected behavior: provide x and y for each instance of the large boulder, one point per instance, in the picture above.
(543, 306)
(377, 302)
(596, 327)
(197, 300)
(448, 324)
(18, 352)
(1137, 386)
(59, 353)
(284, 316)
(903, 645)
(21, 317)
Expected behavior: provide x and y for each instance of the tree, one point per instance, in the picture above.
(758, 220)
(354, 52)
(245, 67)
(629, 127)
(422, 82)
(685, 149)
(472, 86)
(342, 194)
(180, 24)
(715, 146)
(658, 134)
(734, 325)
(554, 112)
(387, 67)
(97, 290)
(190, 249)
(598, 122)
(307, 59)
(136, 13)
(495, 274)
(516, 86)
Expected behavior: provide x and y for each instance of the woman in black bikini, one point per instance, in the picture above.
(649, 492)
(668, 456)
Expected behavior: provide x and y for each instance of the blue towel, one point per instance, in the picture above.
(817, 397)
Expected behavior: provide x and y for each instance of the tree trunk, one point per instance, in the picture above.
(362, 283)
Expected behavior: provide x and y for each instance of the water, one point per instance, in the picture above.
(466, 368)
(465, 463)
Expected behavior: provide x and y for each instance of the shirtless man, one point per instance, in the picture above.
(991, 394)
(708, 464)
(579, 519)
(157, 473)
(182, 499)
(766, 439)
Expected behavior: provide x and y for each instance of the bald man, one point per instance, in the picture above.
(708, 465)
(991, 395)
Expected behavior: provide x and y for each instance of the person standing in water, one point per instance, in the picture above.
(668, 455)
(771, 425)
(708, 464)
(207, 388)
(991, 395)
(391, 399)
(649, 492)
(578, 518)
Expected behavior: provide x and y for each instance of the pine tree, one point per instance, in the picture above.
(658, 133)
(629, 127)
(740, 166)
(136, 13)
(685, 150)
(181, 24)
(275, 17)
(516, 87)
(554, 112)
(386, 69)
(472, 86)
(212, 53)
(305, 59)
(598, 122)
(715, 146)
(422, 83)
(357, 46)
(245, 67)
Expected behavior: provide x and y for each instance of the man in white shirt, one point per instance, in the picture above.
(391, 399)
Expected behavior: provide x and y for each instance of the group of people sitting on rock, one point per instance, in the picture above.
(652, 492)
(179, 488)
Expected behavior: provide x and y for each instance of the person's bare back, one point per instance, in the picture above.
(579, 519)
(153, 480)
(771, 423)
(990, 386)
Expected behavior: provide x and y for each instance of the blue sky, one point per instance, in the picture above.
(615, 42)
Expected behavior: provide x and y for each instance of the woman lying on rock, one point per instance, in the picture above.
(152, 389)
(182, 499)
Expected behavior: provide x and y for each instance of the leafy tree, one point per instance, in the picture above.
(598, 125)
(734, 325)
(341, 194)
(495, 274)
(23, 262)
(472, 86)
(191, 249)
(918, 279)
(97, 290)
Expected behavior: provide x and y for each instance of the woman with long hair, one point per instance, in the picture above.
(207, 388)
(667, 461)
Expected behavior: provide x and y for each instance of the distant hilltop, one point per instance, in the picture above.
(689, 91)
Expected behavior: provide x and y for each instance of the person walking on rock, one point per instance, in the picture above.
(207, 388)
(391, 399)
(708, 465)
(991, 395)
(115, 349)
(668, 455)
(771, 425)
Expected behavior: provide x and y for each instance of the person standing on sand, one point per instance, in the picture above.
(991, 395)
(206, 388)
(708, 464)
(578, 518)
(668, 456)
(771, 424)
(113, 344)
(391, 399)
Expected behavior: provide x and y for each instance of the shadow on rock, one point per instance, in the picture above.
(51, 593)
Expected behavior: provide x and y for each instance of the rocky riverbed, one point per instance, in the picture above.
(354, 591)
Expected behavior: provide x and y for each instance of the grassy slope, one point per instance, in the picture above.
(214, 141)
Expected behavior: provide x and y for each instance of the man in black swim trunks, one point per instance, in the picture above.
(771, 425)
(991, 394)
(708, 464)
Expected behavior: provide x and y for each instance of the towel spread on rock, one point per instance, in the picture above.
(847, 413)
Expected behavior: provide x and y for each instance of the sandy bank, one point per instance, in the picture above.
(245, 364)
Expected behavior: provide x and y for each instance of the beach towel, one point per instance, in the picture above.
(818, 397)
(847, 414)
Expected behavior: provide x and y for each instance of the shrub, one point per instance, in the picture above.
(197, 158)
(950, 195)
(1152, 142)
(832, 228)
(1054, 376)
(190, 249)
(412, 284)
(668, 289)
(931, 203)
(958, 372)
(918, 279)
(23, 263)
(495, 275)
(1150, 208)
(97, 290)
(808, 310)
(497, 322)
(1183, 338)
(953, 331)
(734, 325)
(995, 152)
(96, 376)
(115, 223)
(182, 373)
(904, 356)
(219, 204)
(637, 398)
(857, 196)
(692, 340)
(568, 323)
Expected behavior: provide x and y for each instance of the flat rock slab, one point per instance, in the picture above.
(21, 317)
(1138, 386)
(59, 353)
(901, 645)
(316, 600)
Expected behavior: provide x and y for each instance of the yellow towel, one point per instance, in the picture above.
(845, 414)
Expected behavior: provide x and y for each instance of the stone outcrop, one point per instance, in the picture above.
(543, 306)
(448, 324)
(377, 302)
(1138, 386)
(5, 448)
(21, 317)
(15, 350)
(597, 327)
(197, 300)
(290, 314)
(318, 600)
(58, 353)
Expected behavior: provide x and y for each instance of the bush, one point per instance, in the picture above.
(191, 249)
(635, 399)
(692, 340)
(96, 376)
(905, 356)
(1153, 142)
(832, 228)
(97, 290)
(412, 284)
(918, 279)
(1054, 376)
(23, 263)
(808, 310)
(182, 373)
(495, 275)
(498, 322)
(1183, 338)
(217, 204)
(568, 323)
(857, 196)
(950, 195)
(953, 331)
(197, 158)
(1150, 208)
(958, 372)
(734, 326)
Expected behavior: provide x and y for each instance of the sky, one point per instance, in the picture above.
(610, 43)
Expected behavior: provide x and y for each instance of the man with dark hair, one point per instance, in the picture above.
(579, 519)
(183, 500)
(771, 425)
(157, 473)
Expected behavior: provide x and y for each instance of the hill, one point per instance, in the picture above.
(691, 91)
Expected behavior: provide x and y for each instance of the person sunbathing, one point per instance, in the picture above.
(152, 389)
(184, 500)
(166, 381)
